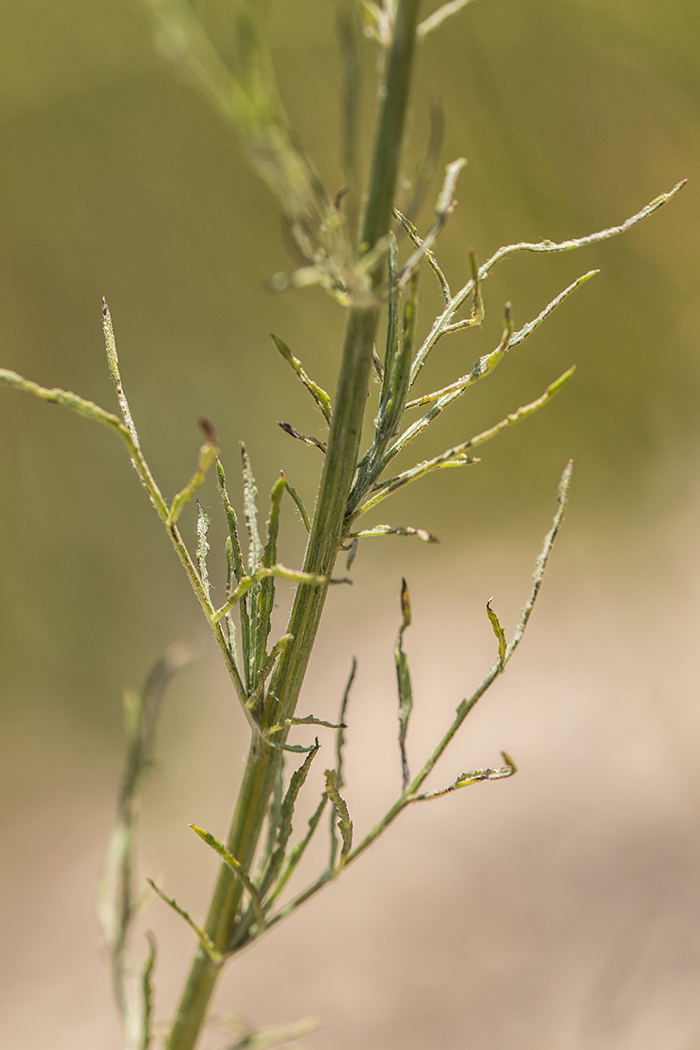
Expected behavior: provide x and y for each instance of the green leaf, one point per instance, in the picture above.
(475, 776)
(298, 851)
(207, 455)
(266, 596)
(273, 819)
(267, 668)
(403, 681)
(308, 720)
(284, 826)
(235, 573)
(344, 822)
(232, 523)
(204, 938)
(397, 530)
(268, 1038)
(439, 16)
(340, 737)
(499, 632)
(147, 994)
(299, 505)
(457, 456)
(318, 393)
(236, 868)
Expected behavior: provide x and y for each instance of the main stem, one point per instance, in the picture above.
(324, 541)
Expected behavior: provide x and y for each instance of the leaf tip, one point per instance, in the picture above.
(209, 431)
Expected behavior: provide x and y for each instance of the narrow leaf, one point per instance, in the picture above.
(475, 776)
(113, 364)
(457, 456)
(298, 851)
(403, 681)
(207, 455)
(308, 720)
(284, 826)
(439, 16)
(203, 524)
(341, 810)
(299, 505)
(268, 1038)
(236, 868)
(397, 530)
(267, 668)
(273, 820)
(314, 442)
(425, 168)
(340, 736)
(261, 622)
(499, 632)
(541, 564)
(204, 938)
(147, 995)
(237, 572)
(232, 523)
(280, 572)
(250, 493)
(318, 393)
(430, 257)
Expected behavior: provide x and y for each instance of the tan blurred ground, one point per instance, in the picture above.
(559, 909)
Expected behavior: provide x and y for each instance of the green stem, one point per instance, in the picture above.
(324, 539)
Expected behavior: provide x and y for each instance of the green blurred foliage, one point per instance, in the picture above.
(117, 179)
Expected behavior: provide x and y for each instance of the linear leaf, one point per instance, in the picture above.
(262, 622)
(284, 826)
(207, 455)
(250, 493)
(117, 903)
(273, 820)
(298, 851)
(281, 572)
(234, 558)
(267, 1038)
(457, 456)
(475, 776)
(203, 524)
(403, 681)
(306, 438)
(232, 523)
(204, 938)
(147, 995)
(499, 632)
(482, 367)
(443, 209)
(113, 364)
(340, 736)
(439, 16)
(267, 668)
(236, 868)
(394, 530)
(541, 564)
(308, 720)
(299, 505)
(445, 318)
(89, 410)
(341, 810)
(318, 393)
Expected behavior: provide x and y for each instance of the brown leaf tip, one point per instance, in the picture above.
(207, 428)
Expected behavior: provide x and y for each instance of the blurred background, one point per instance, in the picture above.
(558, 909)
